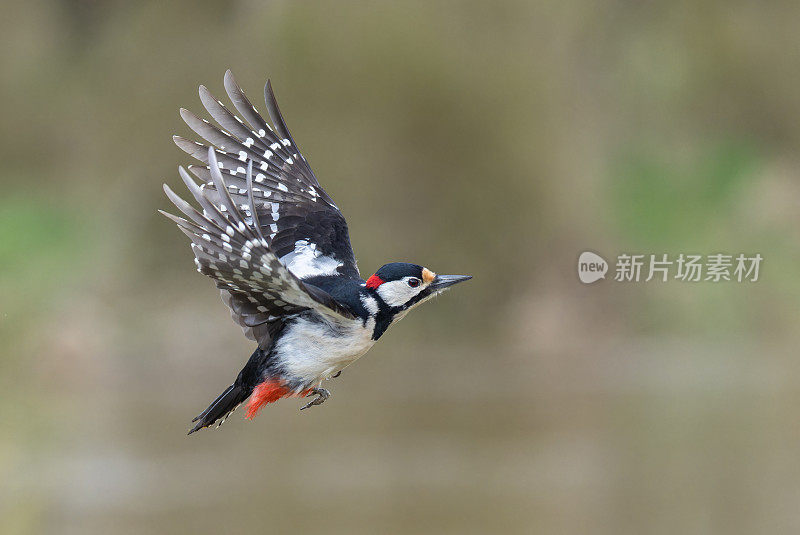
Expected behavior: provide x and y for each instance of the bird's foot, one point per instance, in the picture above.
(322, 395)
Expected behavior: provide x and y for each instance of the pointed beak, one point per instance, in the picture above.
(445, 281)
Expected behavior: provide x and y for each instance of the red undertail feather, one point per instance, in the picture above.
(374, 281)
(267, 392)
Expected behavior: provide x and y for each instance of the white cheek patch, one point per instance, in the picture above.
(397, 293)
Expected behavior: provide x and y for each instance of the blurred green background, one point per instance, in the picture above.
(496, 139)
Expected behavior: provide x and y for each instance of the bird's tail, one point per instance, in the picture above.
(221, 407)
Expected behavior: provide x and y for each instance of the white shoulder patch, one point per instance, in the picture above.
(305, 261)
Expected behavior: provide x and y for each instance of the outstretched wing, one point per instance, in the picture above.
(299, 221)
(231, 248)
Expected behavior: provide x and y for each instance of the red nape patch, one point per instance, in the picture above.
(267, 392)
(374, 281)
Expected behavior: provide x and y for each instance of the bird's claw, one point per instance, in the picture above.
(322, 395)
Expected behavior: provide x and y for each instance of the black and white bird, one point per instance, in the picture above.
(279, 251)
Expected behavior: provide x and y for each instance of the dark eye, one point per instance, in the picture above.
(413, 282)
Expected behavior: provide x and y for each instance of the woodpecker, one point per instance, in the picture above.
(278, 249)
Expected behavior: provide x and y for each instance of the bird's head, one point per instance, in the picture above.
(403, 286)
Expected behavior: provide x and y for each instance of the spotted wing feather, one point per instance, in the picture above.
(230, 247)
(297, 218)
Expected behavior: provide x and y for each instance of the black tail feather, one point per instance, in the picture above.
(235, 394)
(221, 407)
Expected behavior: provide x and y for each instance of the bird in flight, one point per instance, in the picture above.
(279, 251)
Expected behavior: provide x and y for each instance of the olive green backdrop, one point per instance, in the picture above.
(495, 139)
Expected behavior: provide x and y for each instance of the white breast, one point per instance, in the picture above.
(313, 351)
